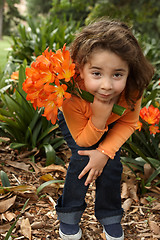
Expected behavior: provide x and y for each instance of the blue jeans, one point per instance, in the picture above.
(71, 205)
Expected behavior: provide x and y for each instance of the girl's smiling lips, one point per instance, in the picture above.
(102, 95)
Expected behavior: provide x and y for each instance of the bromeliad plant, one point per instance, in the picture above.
(51, 79)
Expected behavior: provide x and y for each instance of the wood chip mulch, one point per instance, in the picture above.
(141, 220)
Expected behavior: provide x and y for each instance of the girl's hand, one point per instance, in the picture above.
(95, 165)
(101, 112)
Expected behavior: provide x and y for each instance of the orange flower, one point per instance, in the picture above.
(43, 81)
(150, 115)
(51, 109)
(154, 129)
(15, 75)
(139, 126)
(65, 67)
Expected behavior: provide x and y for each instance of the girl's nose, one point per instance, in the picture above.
(106, 83)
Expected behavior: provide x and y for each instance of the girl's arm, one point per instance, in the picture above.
(78, 116)
(120, 132)
(115, 138)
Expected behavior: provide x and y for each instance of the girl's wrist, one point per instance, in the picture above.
(98, 123)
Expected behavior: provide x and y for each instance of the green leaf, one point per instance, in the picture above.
(22, 77)
(36, 132)
(47, 131)
(4, 179)
(147, 145)
(17, 145)
(60, 141)
(16, 110)
(48, 183)
(154, 162)
(32, 124)
(5, 113)
(59, 161)
(9, 121)
(153, 176)
(138, 161)
(50, 154)
(7, 237)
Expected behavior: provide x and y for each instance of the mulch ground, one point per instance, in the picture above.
(141, 220)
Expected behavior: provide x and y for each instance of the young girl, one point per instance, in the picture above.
(113, 68)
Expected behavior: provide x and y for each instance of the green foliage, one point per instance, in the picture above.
(78, 9)
(143, 147)
(133, 12)
(12, 16)
(35, 7)
(5, 45)
(34, 39)
(25, 126)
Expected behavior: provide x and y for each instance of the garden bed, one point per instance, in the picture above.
(39, 219)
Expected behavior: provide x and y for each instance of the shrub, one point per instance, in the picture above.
(25, 126)
(33, 39)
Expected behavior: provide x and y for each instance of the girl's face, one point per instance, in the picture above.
(105, 75)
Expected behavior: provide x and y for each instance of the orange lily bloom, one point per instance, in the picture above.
(150, 115)
(59, 91)
(51, 110)
(42, 84)
(15, 75)
(65, 67)
(139, 126)
(154, 129)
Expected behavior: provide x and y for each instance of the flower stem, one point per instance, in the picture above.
(119, 110)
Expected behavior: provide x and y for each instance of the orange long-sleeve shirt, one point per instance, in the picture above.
(77, 113)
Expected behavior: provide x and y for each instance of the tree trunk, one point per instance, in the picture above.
(1, 17)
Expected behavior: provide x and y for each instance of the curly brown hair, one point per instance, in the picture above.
(117, 37)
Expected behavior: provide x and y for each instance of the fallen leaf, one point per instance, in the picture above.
(26, 228)
(9, 216)
(38, 225)
(143, 201)
(127, 204)
(134, 210)
(157, 207)
(4, 228)
(51, 168)
(20, 188)
(133, 187)
(148, 170)
(29, 216)
(103, 236)
(154, 227)
(27, 153)
(124, 192)
(20, 165)
(6, 204)
(46, 177)
(35, 167)
(28, 194)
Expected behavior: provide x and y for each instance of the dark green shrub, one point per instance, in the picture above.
(33, 39)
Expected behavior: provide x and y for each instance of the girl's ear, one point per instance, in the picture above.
(81, 73)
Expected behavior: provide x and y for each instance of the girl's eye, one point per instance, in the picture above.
(117, 75)
(96, 74)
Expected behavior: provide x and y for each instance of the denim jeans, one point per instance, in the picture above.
(71, 205)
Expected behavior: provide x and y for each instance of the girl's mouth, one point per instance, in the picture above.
(104, 95)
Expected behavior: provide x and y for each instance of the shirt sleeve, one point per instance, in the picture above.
(121, 131)
(77, 115)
